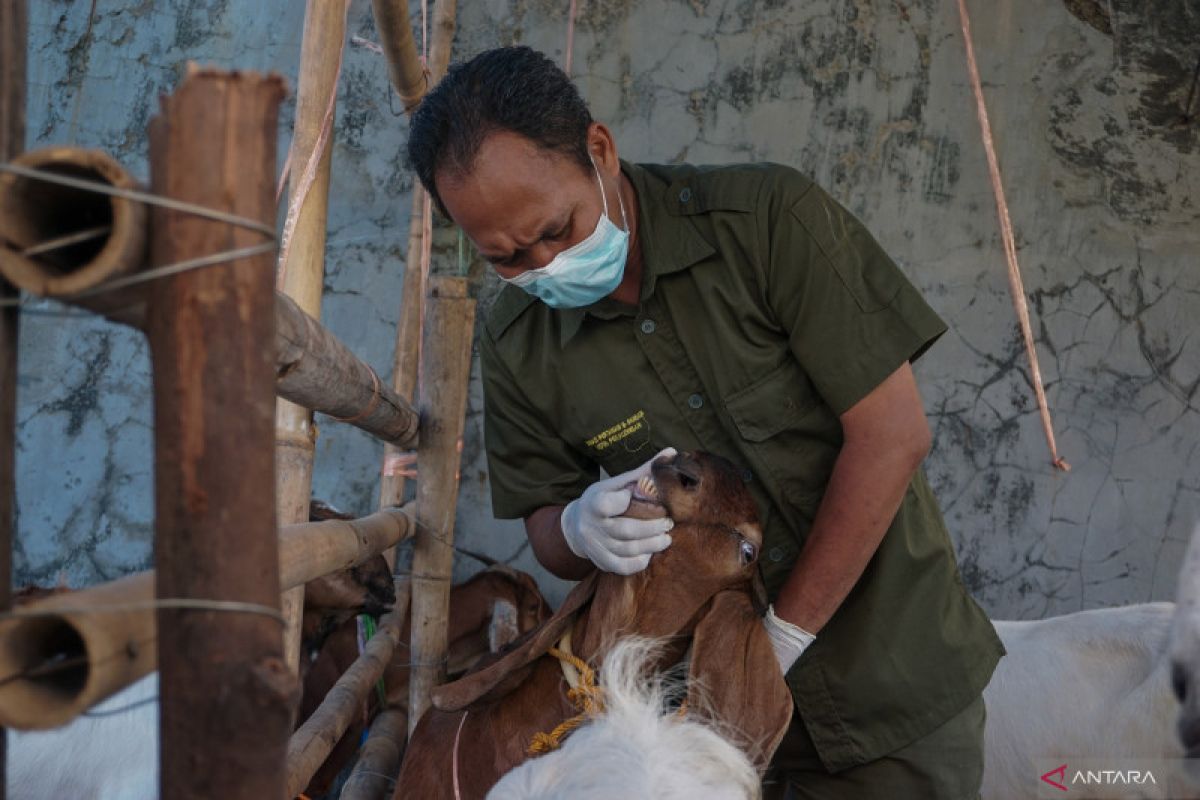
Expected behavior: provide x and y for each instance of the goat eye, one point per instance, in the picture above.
(687, 481)
(748, 552)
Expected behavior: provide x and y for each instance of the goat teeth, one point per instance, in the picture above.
(647, 487)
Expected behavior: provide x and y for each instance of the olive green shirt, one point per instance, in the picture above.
(766, 311)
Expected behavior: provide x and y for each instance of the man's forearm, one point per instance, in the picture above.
(544, 529)
(860, 502)
(885, 437)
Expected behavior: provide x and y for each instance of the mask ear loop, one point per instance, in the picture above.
(604, 197)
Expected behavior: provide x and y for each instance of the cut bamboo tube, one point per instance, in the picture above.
(316, 370)
(440, 38)
(445, 370)
(374, 774)
(115, 649)
(404, 63)
(213, 144)
(13, 33)
(304, 272)
(99, 237)
(313, 741)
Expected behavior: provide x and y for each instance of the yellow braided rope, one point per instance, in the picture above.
(587, 697)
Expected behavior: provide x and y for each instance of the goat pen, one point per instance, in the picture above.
(188, 263)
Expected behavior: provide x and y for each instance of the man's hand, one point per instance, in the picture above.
(788, 640)
(594, 529)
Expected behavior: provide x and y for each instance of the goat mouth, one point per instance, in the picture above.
(644, 490)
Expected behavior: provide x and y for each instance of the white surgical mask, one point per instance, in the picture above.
(584, 272)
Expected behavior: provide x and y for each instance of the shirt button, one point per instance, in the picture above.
(747, 475)
(648, 326)
(685, 195)
(695, 401)
(775, 554)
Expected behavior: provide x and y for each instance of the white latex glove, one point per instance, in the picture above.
(788, 640)
(595, 530)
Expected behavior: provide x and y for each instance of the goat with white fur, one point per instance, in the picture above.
(636, 748)
(1095, 684)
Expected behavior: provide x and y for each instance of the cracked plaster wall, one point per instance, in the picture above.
(871, 98)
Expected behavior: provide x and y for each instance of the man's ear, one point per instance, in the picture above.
(734, 677)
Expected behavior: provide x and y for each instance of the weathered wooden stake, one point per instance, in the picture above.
(304, 272)
(404, 63)
(445, 370)
(226, 694)
(13, 28)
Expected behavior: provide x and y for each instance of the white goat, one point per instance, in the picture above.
(637, 748)
(111, 753)
(1095, 684)
(1185, 649)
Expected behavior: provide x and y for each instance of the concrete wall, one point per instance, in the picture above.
(1099, 157)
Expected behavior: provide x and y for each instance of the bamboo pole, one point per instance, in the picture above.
(445, 371)
(303, 273)
(408, 328)
(99, 237)
(316, 370)
(313, 741)
(374, 774)
(213, 144)
(111, 649)
(13, 29)
(408, 338)
(404, 63)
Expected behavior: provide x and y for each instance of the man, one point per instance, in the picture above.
(738, 310)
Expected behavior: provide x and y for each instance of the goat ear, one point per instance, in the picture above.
(490, 681)
(734, 677)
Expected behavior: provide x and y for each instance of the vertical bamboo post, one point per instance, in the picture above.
(445, 369)
(404, 63)
(408, 329)
(13, 25)
(226, 693)
(304, 272)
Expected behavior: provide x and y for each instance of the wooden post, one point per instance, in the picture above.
(313, 741)
(408, 328)
(445, 370)
(13, 26)
(226, 695)
(304, 271)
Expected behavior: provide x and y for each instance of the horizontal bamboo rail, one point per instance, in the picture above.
(113, 648)
(313, 368)
(374, 774)
(313, 741)
(317, 371)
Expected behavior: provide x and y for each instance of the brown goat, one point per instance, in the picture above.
(701, 590)
(487, 611)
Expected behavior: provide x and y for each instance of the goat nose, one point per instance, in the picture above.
(1179, 681)
(1188, 729)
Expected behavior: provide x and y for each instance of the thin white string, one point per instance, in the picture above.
(141, 197)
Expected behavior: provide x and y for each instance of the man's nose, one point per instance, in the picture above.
(542, 253)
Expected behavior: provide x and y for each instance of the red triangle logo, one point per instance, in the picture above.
(1061, 772)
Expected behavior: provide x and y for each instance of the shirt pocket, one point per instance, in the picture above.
(790, 431)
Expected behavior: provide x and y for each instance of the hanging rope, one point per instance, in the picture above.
(1015, 285)
(570, 37)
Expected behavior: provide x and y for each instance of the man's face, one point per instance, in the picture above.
(521, 205)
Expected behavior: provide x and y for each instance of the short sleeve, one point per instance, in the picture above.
(852, 316)
(529, 465)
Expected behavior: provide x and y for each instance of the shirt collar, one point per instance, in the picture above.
(669, 240)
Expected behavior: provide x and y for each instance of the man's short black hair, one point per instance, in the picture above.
(513, 89)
